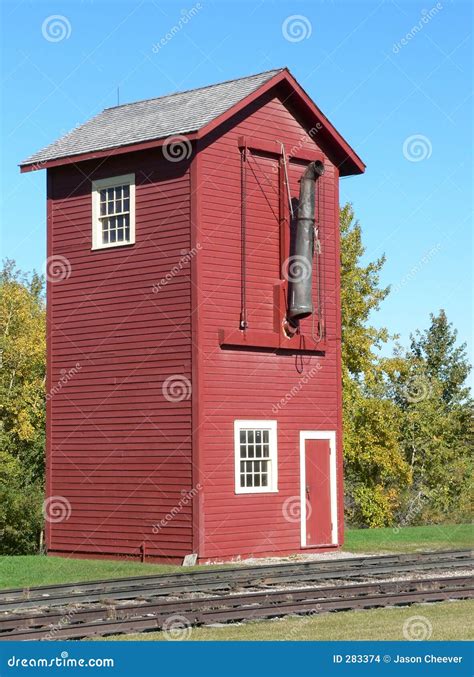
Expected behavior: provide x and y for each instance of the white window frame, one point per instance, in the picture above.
(271, 426)
(97, 186)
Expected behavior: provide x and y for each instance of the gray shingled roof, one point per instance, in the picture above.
(152, 119)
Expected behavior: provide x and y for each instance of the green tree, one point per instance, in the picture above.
(376, 471)
(430, 389)
(22, 381)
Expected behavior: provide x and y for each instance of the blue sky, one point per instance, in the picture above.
(393, 76)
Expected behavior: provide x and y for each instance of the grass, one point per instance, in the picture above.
(447, 621)
(410, 539)
(16, 572)
(22, 571)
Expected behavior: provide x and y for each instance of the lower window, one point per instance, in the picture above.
(255, 456)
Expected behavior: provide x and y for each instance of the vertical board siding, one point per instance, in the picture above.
(120, 452)
(300, 392)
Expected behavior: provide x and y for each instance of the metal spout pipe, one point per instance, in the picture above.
(300, 269)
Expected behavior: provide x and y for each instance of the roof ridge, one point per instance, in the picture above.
(195, 89)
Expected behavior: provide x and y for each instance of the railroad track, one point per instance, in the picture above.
(203, 597)
(124, 619)
(235, 578)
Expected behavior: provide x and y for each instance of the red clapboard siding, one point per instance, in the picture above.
(248, 384)
(120, 453)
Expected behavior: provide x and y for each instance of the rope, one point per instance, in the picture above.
(319, 302)
(243, 234)
(287, 182)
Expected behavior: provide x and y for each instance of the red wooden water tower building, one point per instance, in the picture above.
(194, 361)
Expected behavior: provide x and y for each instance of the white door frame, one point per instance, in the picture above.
(319, 435)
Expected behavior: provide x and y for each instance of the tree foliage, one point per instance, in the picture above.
(376, 471)
(22, 350)
(407, 430)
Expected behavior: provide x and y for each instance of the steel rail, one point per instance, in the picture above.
(105, 620)
(232, 578)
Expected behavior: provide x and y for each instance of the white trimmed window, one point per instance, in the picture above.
(113, 211)
(256, 468)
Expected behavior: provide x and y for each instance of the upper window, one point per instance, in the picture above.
(255, 456)
(113, 211)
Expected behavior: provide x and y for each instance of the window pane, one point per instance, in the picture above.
(266, 435)
(110, 194)
(242, 436)
(126, 191)
(242, 480)
(248, 482)
(126, 205)
(250, 435)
